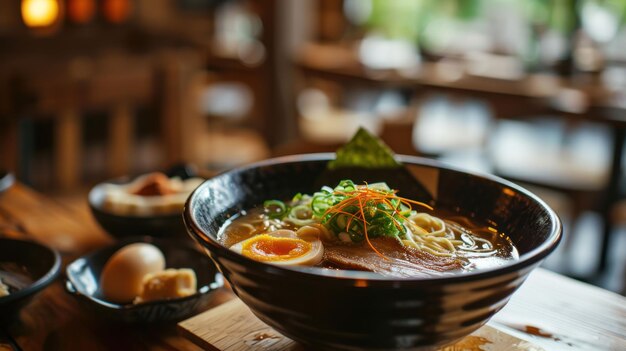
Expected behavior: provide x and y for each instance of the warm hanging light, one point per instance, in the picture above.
(81, 11)
(116, 11)
(40, 13)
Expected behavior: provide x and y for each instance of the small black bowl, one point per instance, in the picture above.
(124, 226)
(26, 267)
(351, 310)
(120, 226)
(83, 281)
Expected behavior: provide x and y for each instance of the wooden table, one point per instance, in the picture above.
(550, 310)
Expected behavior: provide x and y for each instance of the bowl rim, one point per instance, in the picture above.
(43, 281)
(525, 260)
(70, 283)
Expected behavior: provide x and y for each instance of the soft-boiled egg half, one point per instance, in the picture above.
(282, 247)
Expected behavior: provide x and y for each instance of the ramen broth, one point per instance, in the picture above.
(397, 260)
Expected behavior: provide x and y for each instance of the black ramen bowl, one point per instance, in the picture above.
(132, 225)
(352, 310)
(83, 281)
(26, 268)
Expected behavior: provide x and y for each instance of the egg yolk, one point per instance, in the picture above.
(269, 248)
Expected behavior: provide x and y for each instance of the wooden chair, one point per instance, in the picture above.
(64, 91)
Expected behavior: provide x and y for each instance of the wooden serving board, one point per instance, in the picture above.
(232, 327)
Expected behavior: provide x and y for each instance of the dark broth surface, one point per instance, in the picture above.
(254, 222)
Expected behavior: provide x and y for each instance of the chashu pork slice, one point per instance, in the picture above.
(401, 261)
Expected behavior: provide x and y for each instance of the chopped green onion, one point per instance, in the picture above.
(275, 209)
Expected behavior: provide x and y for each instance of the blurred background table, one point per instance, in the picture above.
(552, 311)
(533, 91)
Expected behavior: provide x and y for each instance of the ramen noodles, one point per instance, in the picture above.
(365, 227)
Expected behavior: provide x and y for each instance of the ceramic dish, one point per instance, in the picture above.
(123, 226)
(353, 310)
(84, 283)
(26, 268)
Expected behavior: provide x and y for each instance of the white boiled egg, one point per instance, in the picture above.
(122, 276)
(282, 247)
